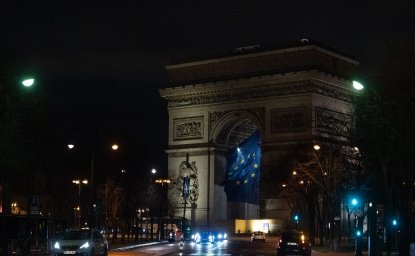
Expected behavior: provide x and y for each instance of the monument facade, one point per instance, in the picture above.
(294, 94)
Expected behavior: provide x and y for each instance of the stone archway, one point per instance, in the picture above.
(293, 95)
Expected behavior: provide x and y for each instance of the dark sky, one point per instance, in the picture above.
(105, 61)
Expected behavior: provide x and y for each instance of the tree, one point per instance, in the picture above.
(320, 180)
(384, 130)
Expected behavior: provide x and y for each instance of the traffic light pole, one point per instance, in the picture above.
(359, 236)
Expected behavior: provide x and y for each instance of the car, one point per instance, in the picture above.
(204, 237)
(171, 236)
(293, 243)
(258, 236)
(220, 235)
(83, 242)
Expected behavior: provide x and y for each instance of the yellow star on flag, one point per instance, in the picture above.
(246, 181)
(253, 175)
(256, 166)
(242, 161)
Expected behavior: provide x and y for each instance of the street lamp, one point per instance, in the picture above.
(161, 181)
(28, 82)
(114, 147)
(357, 85)
(78, 208)
(10, 112)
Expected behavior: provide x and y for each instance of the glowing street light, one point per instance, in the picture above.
(28, 82)
(357, 85)
(78, 208)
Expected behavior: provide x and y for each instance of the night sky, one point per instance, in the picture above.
(101, 64)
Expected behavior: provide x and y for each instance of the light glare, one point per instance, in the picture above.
(358, 86)
(28, 82)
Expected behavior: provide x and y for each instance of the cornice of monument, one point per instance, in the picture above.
(311, 82)
(265, 53)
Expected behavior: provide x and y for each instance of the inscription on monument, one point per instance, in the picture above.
(188, 128)
(288, 120)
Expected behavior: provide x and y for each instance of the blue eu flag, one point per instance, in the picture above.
(243, 171)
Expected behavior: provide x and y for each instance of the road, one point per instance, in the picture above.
(235, 246)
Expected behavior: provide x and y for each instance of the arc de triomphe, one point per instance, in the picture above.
(293, 95)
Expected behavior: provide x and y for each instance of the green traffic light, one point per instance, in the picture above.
(354, 202)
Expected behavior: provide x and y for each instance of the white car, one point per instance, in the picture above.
(81, 242)
(258, 236)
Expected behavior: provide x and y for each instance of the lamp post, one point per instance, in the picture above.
(164, 182)
(79, 182)
(8, 99)
(114, 147)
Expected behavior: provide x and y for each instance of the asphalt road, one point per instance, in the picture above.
(235, 246)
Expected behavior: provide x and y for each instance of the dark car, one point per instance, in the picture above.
(293, 243)
(171, 236)
(81, 242)
(220, 235)
(204, 237)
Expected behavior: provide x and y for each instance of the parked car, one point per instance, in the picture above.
(81, 242)
(293, 243)
(258, 236)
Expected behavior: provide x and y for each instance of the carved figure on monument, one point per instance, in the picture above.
(187, 170)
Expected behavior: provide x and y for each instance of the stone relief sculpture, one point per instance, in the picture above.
(288, 120)
(188, 128)
(186, 169)
(332, 122)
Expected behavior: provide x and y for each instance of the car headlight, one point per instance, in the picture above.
(220, 236)
(225, 236)
(197, 237)
(85, 245)
(56, 245)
